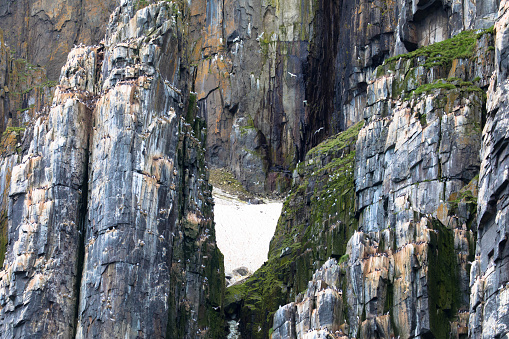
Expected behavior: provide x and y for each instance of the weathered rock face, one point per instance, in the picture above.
(44, 201)
(319, 307)
(377, 30)
(43, 32)
(110, 213)
(489, 278)
(309, 80)
(306, 80)
(24, 91)
(106, 211)
(249, 80)
(405, 269)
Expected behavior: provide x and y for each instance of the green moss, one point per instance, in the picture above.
(440, 56)
(338, 141)
(490, 30)
(48, 84)
(209, 317)
(259, 297)
(426, 88)
(15, 130)
(20, 110)
(443, 284)
(343, 259)
(447, 85)
(265, 44)
(248, 127)
(316, 223)
(443, 53)
(464, 197)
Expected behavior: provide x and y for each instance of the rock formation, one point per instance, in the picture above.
(259, 67)
(110, 229)
(309, 77)
(405, 270)
(489, 274)
(383, 122)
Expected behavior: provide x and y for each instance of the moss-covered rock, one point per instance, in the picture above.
(443, 283)
(316, 223)
(462, 62)
(441, 54)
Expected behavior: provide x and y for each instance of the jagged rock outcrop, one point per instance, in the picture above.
(110, 222)
(316, 223)
(318, 308)
(405, 271)
(379, 29)
(489, 278)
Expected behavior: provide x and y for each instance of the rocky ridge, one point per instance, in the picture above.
(406, 268)
(110, 213)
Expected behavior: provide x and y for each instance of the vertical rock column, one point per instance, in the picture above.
(38, 284)
(489, 278)
(110, 212)
(132, 183)
(151, 268)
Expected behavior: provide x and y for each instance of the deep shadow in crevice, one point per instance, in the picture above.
(82, 219)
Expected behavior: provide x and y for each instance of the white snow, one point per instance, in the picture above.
(244, 231)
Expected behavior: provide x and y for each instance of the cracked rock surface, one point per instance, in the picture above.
(110, 213)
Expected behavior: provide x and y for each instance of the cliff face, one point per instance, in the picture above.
(488, 283)
(405, 269)
(110, 213)
(411, 234)
(264, 110)
(44, 32)
(249, 78)
(24, 91)
(309, 78)
(384, 121)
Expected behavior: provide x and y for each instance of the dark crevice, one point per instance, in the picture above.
(82, 220)
(320, 87)
(410, 46)
(426, 10)
(378, 60)
(79, 24)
